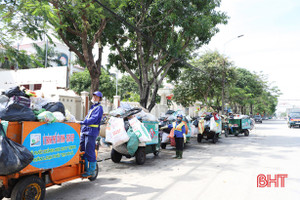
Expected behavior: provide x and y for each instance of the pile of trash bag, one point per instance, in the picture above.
(128, 129)
(20, 104)
(14, 157)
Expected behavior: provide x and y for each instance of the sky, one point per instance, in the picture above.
(271, 41)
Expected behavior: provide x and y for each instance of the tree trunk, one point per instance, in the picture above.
(95, 82)
(95, 70)
(144, 95)
(153, 98)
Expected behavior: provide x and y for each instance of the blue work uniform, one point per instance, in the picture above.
(177, 133)
(90, 130)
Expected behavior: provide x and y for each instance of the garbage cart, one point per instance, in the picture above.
(57, 159)
(239, 126)
(143, 148)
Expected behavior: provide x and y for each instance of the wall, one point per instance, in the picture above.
(51, 77)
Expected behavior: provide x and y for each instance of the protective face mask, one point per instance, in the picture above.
(94, 102)
(178, 120)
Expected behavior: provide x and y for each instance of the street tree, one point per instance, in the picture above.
(39, 57)
(204, 81)
(81, 24)
(81, 81)
(166, 33)
(128, 89)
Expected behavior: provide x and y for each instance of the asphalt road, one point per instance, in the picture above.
(226, 170)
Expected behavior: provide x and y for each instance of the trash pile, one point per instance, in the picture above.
(125, 126)
(20, 104)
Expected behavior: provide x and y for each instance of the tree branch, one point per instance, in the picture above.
(71, 47)
(125, 65)
(99, 32)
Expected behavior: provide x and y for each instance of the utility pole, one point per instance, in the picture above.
(46, 56)
(224, 72)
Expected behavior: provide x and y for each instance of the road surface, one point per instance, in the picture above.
(226, 170)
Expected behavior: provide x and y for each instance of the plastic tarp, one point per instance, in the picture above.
(133, 142)
(13, 156)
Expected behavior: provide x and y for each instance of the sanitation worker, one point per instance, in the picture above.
(179, 130)
(89, 132)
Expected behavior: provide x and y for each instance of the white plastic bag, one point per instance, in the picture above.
(195, 130)
(37, 103)
(116, 112)
(70, 117)
(59, 116)
(213, 125)
(140, 130)
(115, 131)
(164, 138)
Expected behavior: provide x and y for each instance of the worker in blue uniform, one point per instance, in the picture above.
(89, 132)
(179, 130)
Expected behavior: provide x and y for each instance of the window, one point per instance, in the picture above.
(37, 86)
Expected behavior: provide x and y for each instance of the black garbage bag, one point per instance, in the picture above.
(13, 156)
(17, 112)
(24, 101)
(15, 91)
(55, 107)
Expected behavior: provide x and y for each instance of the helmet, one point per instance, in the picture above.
(99, 94)
(180, 115)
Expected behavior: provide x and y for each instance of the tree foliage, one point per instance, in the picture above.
(177, 27)
(204, 82)
(246, 92)
(128, 89)
(39, 58)
(80, 24)
(81, 81)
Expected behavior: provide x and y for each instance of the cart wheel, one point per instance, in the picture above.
(215, 138)
(140, 156)
(156, 153)
(199, 137)
(163, 145)
(246, 133)
(31, 187)
(115, 156)
(92, 178)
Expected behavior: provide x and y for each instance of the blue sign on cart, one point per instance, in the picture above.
(52, 145)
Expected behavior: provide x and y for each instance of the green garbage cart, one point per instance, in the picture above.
(239, 126)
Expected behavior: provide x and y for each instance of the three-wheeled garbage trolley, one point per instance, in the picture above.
(143, 149)
(239, 126)
(57, 159)
(205, 131)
